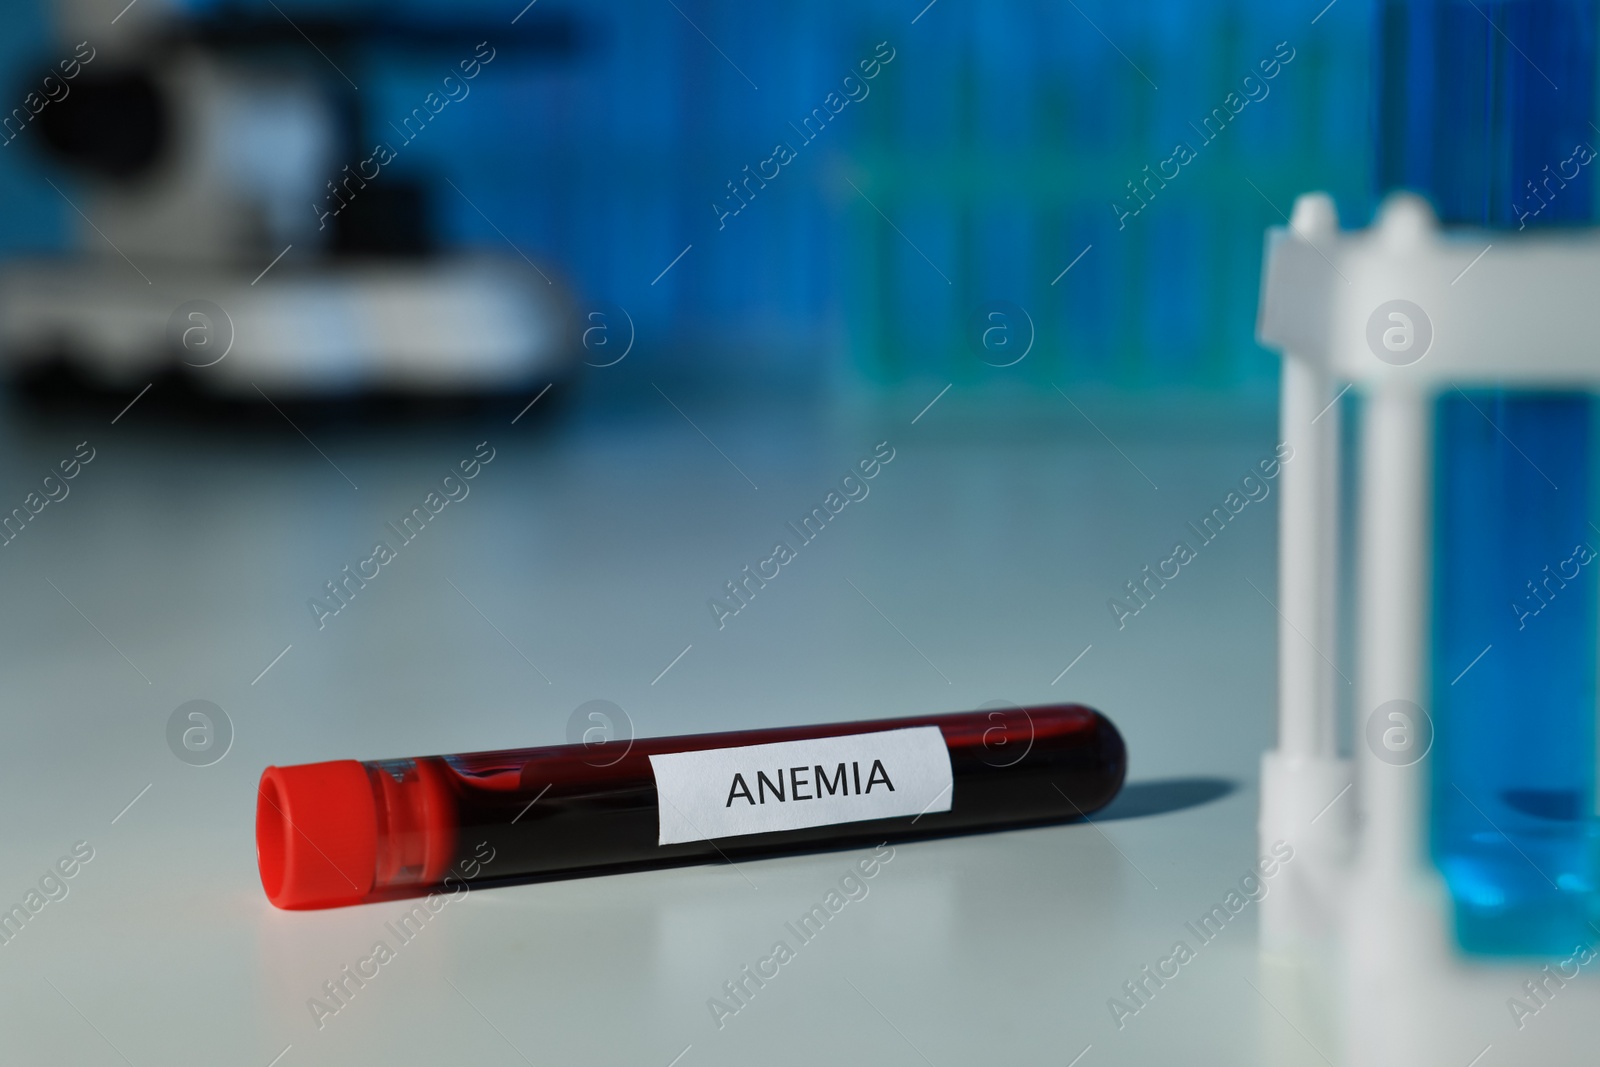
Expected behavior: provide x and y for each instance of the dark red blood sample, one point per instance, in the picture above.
(330, 834)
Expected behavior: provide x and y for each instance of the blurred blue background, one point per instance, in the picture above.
(985, 158)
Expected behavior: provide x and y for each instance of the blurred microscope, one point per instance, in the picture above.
(240, 229)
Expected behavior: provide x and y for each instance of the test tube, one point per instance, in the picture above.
(348, 832)
(1469, 113)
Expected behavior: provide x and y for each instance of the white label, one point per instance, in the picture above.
(726, 792)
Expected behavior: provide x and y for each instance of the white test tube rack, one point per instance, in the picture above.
(1360, 894)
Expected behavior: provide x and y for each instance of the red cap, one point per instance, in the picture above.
(316, 834)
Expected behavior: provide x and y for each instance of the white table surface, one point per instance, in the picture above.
(593, 546)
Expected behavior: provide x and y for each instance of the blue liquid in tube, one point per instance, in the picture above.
(1514, 749)
(1479, 125)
